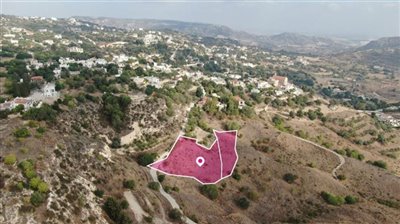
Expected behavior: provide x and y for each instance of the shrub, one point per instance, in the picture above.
(289, 177)
(99, 193)
(34, 183)
(242, 203)
(43, 113)
(22, 133)
(130, 184)
(10, 159)
(232, 126)
(210, 191)
(236, 175)
(389, 203)
(154, 186)
(114, 210)
(350, 199)
(175, 214)
(124, 204)
(43, 187)
(161, 178)
(341, 177)
(41, 130)
(146, 158)
(37, 198)
(380, 163)
(332, 199)
(116, 143)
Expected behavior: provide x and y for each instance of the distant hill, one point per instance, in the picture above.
(290, 42)
(383, 52)
(382, 43)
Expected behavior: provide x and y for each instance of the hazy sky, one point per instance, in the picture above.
(353, 19)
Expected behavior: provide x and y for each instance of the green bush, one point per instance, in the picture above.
(161, 178)
(350, 199)
(146, 158)
(43, 187)
(210, 191)
(10, 159)
(43, 113)
(380, 163)
(37, 198)
(175, 215)
(154, 186)
(34, 183)
(290, 178)
(332, 199)
(389, 203)
(114, 210)
(236, 175)
(130, 184)
(341, 177)
(232, 126)
(22, 133)
(41, 130)
(99, 193)
(242, 203)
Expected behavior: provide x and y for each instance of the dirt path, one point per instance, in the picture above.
(341, 158)
(135, 206)
(167, 196)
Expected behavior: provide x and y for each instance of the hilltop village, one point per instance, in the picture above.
(85, 108)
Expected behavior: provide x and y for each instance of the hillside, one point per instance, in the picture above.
(290, 42)
(85, 108)
(384, 52)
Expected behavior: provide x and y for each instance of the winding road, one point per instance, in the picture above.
(341, 158)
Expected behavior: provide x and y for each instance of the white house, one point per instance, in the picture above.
(49, 42)
(49, 90)
(75, 49)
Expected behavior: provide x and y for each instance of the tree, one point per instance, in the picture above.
(146, 158)
(116, 143)
(199, 92)
(114, 210)
(149, 90)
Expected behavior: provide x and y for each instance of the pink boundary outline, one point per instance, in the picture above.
(207, 148)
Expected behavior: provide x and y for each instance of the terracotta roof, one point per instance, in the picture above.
(37, 78)
(20, 100)
(279, 78)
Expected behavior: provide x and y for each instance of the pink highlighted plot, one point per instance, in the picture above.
(206, 165)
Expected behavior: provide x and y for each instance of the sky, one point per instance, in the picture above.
(341, 18)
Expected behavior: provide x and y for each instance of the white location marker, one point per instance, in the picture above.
(200, 161)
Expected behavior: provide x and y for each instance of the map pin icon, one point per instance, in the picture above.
(200, 161)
